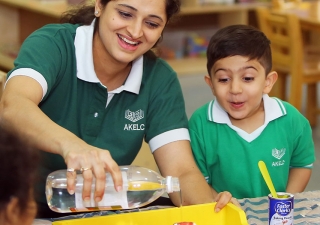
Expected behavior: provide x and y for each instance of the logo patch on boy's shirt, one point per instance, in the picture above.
(278, 153)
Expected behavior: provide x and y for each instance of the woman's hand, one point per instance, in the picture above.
(93, 162)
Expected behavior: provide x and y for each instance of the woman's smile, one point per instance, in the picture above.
(127, 44)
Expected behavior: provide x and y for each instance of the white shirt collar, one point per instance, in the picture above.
(85, 68)
(273, 108)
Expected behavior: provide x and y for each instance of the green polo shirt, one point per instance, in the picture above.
(228, 156)
(148, 106)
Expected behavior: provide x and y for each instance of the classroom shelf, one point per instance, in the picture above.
(33, 14)
(189, 66)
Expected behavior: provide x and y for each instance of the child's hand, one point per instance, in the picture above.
(224, 198)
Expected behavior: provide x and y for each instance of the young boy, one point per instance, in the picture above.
(243, 125)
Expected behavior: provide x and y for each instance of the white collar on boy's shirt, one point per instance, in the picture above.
(85, 68)
(273, 107)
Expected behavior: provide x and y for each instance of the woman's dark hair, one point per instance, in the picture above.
(240, 40)
(18, 163)
(84, 13)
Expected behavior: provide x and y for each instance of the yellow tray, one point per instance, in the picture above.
(199, 214)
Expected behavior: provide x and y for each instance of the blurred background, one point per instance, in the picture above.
(184, 45)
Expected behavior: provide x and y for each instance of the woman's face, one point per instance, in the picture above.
(129, 28)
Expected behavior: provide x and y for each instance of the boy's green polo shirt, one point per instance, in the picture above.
(228, 156)
(148, 106)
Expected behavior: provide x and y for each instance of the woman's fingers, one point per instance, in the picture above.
(71, 180)
(100, 181)
(113, 170)
(87, 183)
(116, 175)
(92, 163)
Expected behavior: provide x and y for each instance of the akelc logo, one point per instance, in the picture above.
(134, 117)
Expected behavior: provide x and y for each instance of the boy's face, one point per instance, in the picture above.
(239, 84)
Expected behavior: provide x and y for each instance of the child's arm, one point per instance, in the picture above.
(298, 179)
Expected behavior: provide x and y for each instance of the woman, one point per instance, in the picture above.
(87, 93)
(17, 172)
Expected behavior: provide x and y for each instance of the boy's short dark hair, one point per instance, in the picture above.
(243, 40)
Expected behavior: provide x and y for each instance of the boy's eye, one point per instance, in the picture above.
(223, 80)
(247, 79)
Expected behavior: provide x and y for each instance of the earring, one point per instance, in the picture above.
(96, 12)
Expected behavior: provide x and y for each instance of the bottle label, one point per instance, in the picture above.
(111, 198)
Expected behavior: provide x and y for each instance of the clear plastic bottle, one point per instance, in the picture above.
(141, 186)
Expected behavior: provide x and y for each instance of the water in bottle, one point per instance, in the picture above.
(141, 186)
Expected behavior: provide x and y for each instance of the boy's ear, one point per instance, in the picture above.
(208, 80)
(270, 81)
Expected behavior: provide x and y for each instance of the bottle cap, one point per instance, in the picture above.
(172, 184)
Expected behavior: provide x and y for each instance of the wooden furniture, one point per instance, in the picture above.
(18, 18)
(285, 4)
(285, 34)
(308, 13)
